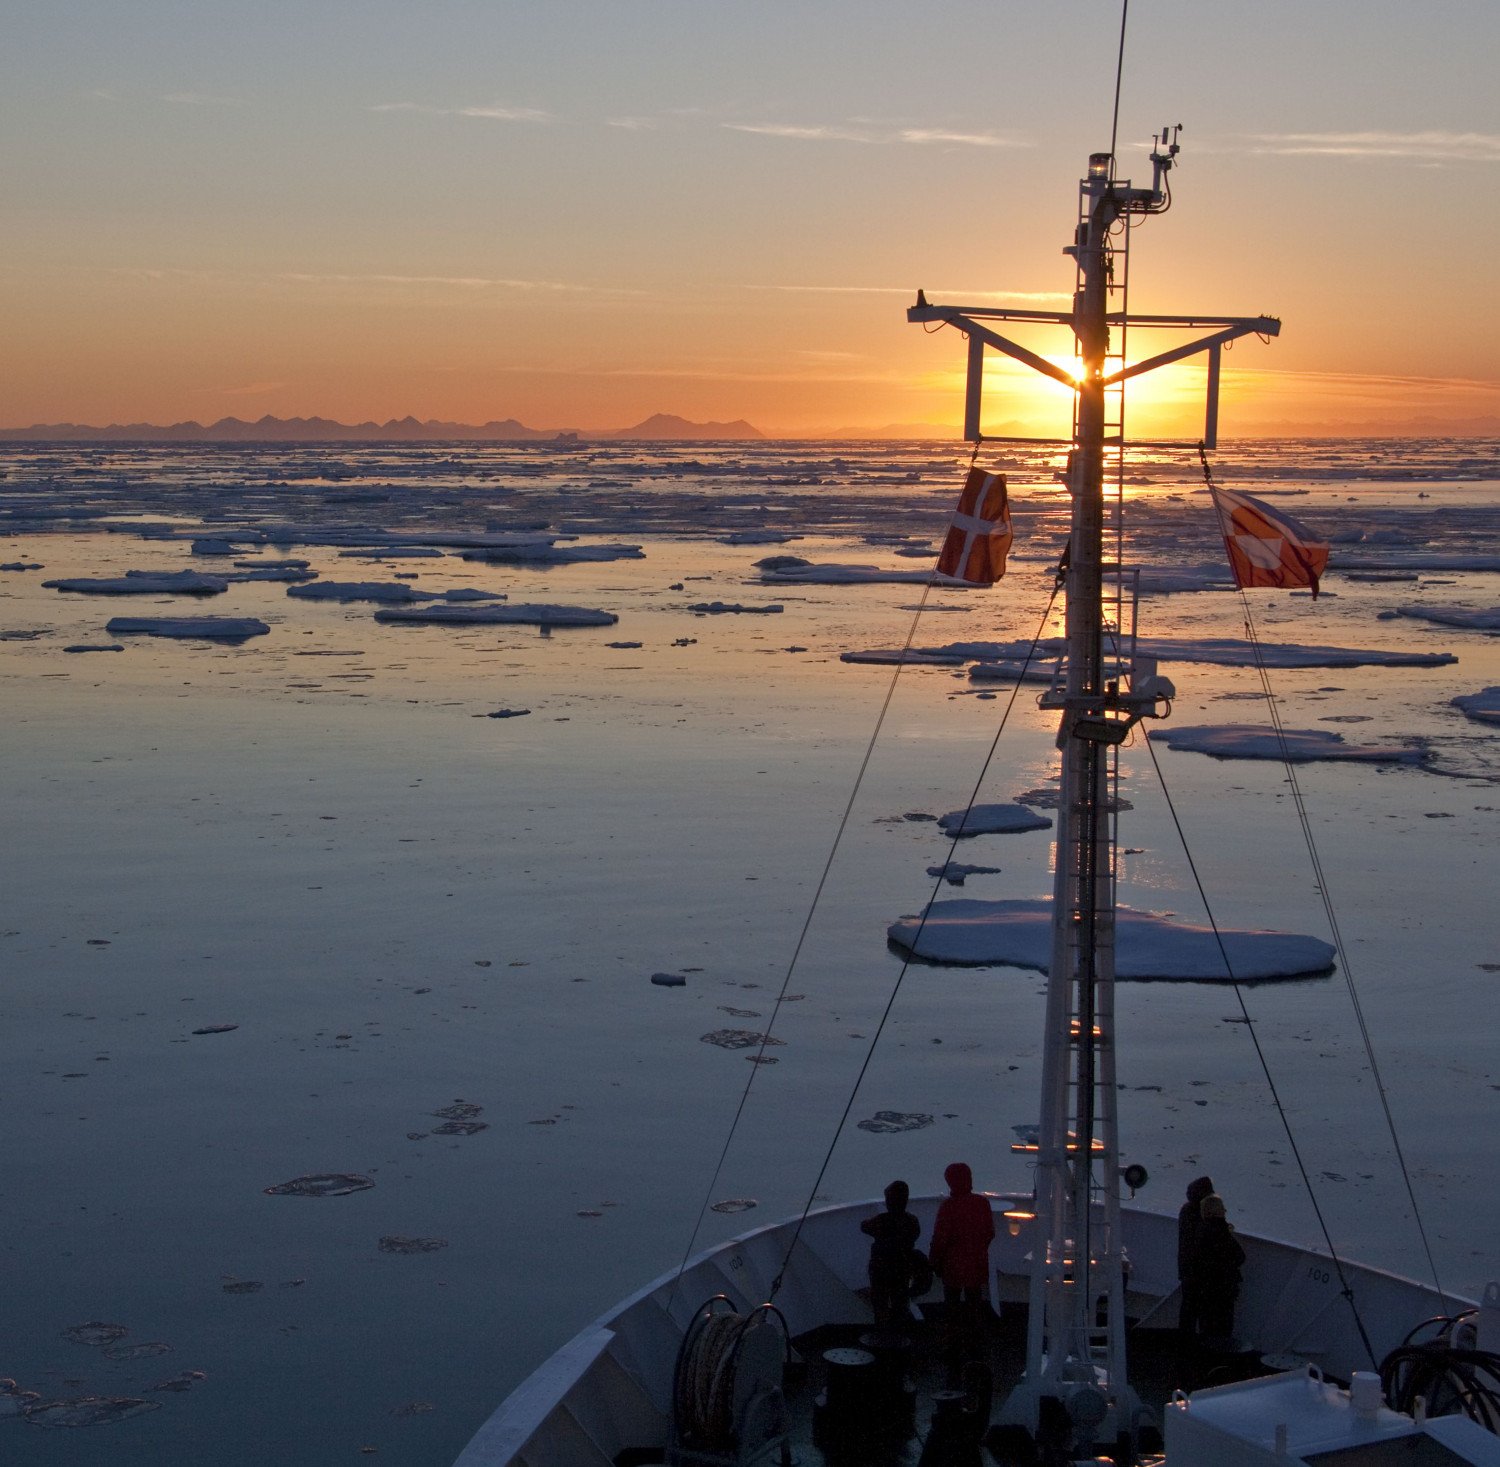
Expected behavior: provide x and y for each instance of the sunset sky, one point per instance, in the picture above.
(581, 212)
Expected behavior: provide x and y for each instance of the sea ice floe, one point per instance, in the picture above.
(213, 628)
(214, 547)
(737, 1039)
(321, 1184)
(291, 574)
(390, 593)
(726, 608)
(94, 647)
(140, 1350)
(955, 873)
(1471, 619)
(1298, 745)
(1011, 672)
(1417, 560)
(144, 583)
(808, 574)
(669, 980)
(546, 554)
(911, 656)
(398, 1243)
(1172, 580)
(394, 552)
(733, 1204)
(88, 1410)
(1018, 933)
(992, 820)
(95, 1332)
(1482, 707)
(887, 1122)
(1222, 651)
(530, 615)
(21, 565)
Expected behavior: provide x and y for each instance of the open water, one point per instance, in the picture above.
(288, 908)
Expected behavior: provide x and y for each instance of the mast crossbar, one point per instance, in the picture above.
(1259, 326)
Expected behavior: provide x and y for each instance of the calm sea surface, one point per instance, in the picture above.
(270, 910)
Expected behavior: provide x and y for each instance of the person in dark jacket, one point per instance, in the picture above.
(960, 1255)
(894, 1234)
(1220, 1261)
(1189, 1251)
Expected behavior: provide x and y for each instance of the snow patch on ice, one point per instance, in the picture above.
(1482, 707)
(992, 820)
(215, 628)
(144, 583)
(536, 614)
(1302, 745)
(808, 574)
(1018, 934)
(1470, 619)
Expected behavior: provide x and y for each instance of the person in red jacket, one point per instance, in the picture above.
(960, 1255)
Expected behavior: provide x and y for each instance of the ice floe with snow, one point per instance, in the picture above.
(547, 554)
(733, 608)
(214, 547)
(1470, 619)
(1482, 707)
(910, 656)
(806, 573)
(144, 583)
(214, 628)
(1018, 934)
(1297, 745)
(390, 593)
(1222, 651)
(992, 820)
(321, 1184)
(1012, 672)
(534, 614)
(292, 574)
(955, 873)
(393, 552)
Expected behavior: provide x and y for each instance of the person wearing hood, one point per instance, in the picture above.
(1190, 1257)
(893, 1235)
(960, 1255)
(1220, 1261)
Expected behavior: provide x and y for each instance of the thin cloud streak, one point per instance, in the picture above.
(1033, 296)
(203, 99)
(493, 112)
(1429, 147)
(308, 277)
(913, 136)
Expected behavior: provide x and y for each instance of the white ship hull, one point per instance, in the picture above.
(610, 1387)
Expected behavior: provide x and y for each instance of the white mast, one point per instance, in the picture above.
(1076, 1328)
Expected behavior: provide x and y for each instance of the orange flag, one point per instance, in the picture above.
(980, 535)
(1266, 547)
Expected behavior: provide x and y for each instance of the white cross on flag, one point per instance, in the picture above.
(1266, 547)
(980, 535)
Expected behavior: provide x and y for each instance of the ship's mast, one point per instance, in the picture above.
(1076, 1328)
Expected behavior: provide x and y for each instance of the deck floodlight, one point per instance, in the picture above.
(1099, 165)
(1134, 1176)
(1016, 1218)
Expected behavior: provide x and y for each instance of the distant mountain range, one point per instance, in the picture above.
(661, 427)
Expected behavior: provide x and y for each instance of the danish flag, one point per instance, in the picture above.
(980, 534)
(1266, 547)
